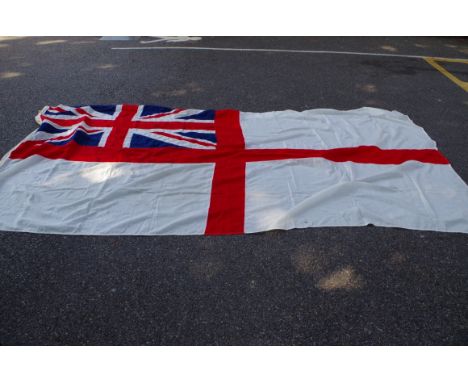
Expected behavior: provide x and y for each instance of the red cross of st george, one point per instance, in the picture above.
(227, 202)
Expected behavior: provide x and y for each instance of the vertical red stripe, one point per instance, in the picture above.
(228, 130)
(227, 204)
(121, 125)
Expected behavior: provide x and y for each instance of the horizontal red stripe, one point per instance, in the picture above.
(74, 152)
(94, 122)
(171, 125)
(361, 154)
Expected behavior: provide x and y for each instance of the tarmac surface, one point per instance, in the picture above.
(317, 286)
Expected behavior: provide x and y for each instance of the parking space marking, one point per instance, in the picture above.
(433, 62)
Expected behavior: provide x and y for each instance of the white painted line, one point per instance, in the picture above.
(118, 38)
(279, 51)
(171, 39)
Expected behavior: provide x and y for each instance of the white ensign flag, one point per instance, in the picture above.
(151, 170)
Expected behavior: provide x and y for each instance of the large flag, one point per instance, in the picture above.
(147, 170)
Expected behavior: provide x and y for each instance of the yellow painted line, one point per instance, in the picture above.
(461, 60)
(433, 62)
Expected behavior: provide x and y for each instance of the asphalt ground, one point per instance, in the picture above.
(317, 286)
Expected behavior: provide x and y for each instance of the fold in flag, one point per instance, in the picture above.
(149, 170)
